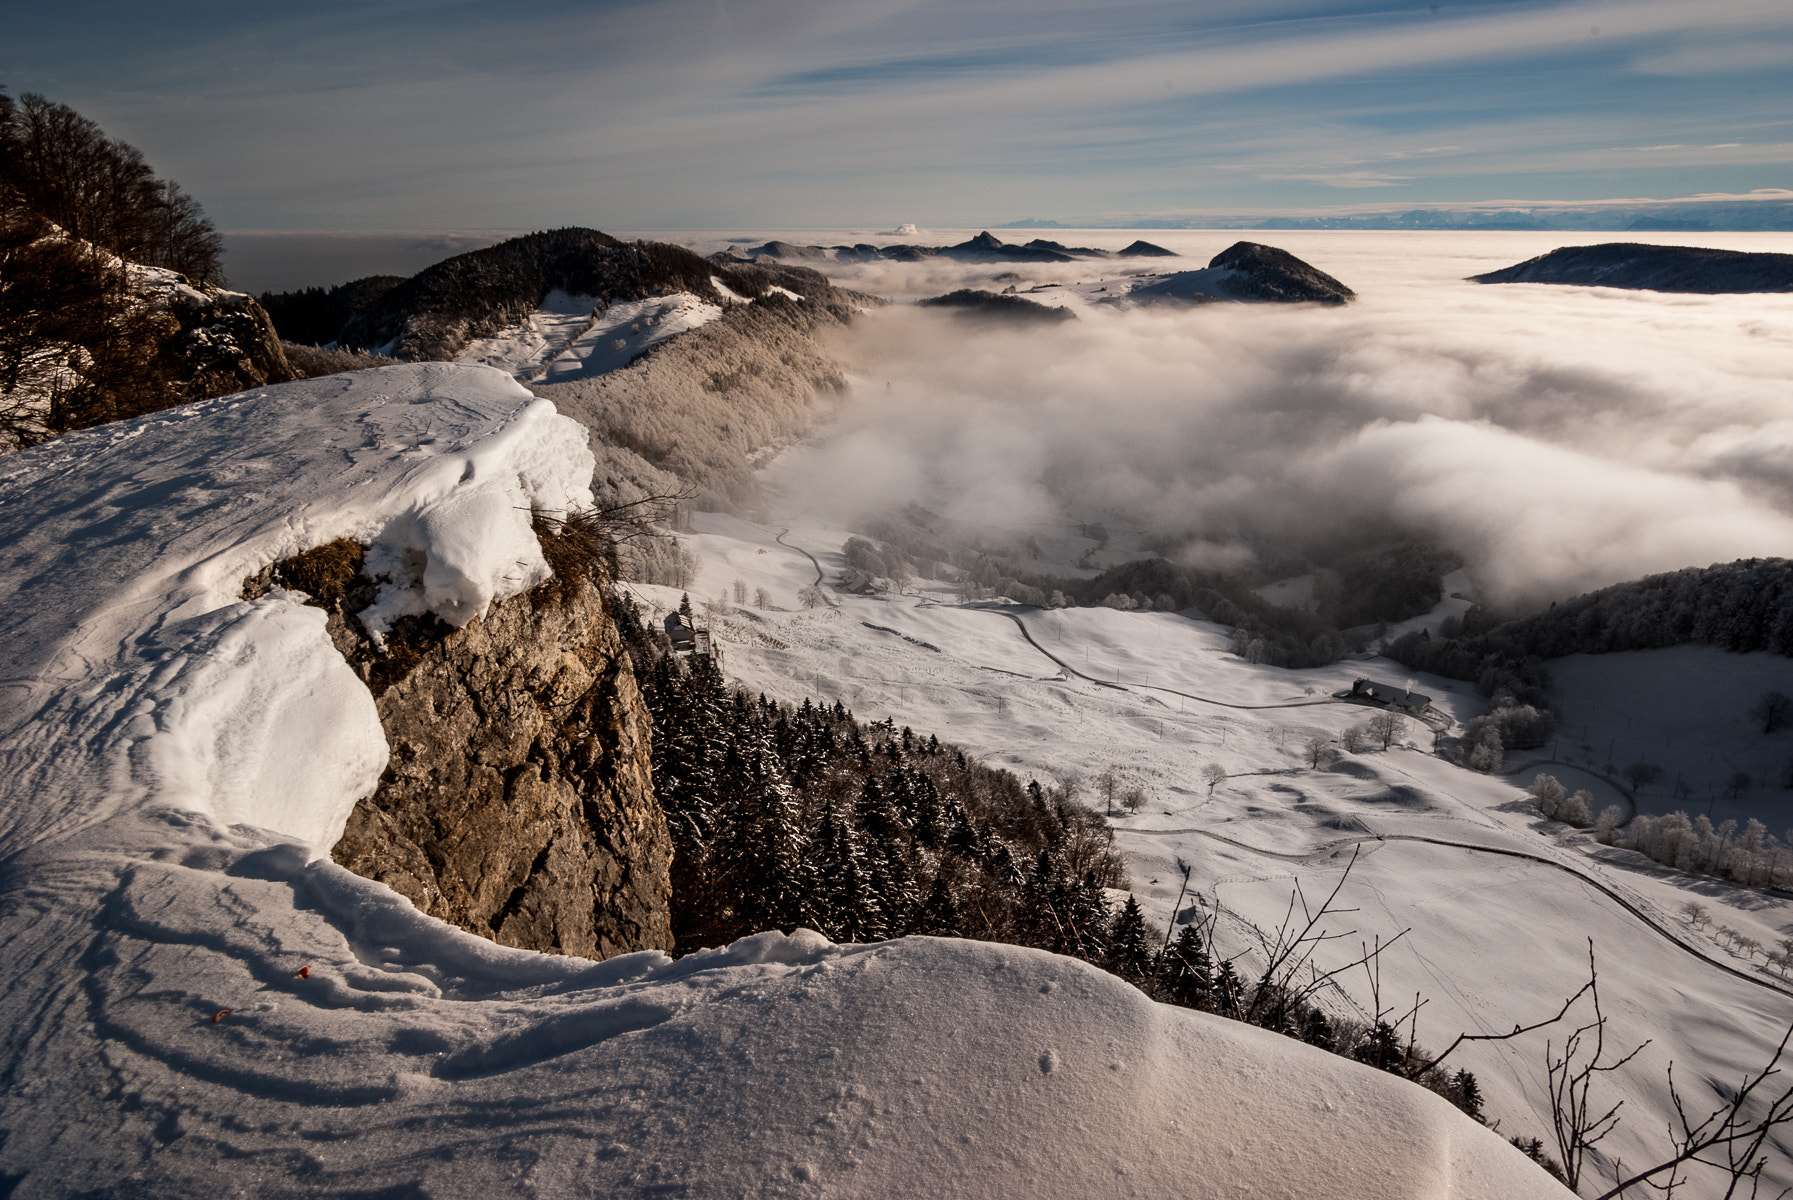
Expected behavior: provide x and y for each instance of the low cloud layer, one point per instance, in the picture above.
(1558, 439)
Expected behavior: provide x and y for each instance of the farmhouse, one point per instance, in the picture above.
(685, 637)
(1393, 697)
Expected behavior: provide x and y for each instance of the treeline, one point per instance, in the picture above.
(1742, 606)
(315, 316)
(97, 321)
(785, 816)
(62, 168)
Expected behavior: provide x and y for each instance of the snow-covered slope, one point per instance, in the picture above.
(574, 337)
(1501, 905)
(197, 1004)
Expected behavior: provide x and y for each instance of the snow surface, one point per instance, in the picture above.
(198, 1004)
(1500, 914)
(624, 331)
(574, 337)
(135, 675)
(1684, 709)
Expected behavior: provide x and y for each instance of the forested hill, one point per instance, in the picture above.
(1694, 269)
(435, 313)
(1741, 606)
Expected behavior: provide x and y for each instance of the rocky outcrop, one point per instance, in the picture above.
(1689, 269)
(518, 803)
(209, 341)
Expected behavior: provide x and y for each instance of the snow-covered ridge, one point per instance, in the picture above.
(135, 675)
(574, 337)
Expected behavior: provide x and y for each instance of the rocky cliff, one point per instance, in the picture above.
(518, 804)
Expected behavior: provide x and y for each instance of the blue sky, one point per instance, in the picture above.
(443, 114)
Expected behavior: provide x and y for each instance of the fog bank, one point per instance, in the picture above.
(1558, 439)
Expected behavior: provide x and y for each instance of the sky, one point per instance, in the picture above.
(456, 115)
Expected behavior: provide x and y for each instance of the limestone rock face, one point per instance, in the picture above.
(519, 803)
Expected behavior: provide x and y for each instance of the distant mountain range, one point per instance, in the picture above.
(1739, 215)
(985, 247)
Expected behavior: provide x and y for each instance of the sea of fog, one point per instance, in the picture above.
(1556, 438)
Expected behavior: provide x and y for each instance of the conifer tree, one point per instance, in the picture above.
(1187, 976)
(1316, 1030)
(1130, 944)
(939, 916)
(1467, 1093)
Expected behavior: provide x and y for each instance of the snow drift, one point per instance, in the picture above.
(135, 675)
(195, 999)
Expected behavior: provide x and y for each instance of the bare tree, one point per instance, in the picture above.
(762, 598)
(740, 591)
(1387, 728)
(1317, 750)
(1134, 799)
(1213, 774)
(1732, 1139)
(1109, 784)
(1772, 709)
(1639, 773)
(1577, 1120)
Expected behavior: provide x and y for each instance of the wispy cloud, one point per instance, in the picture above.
(765, 111)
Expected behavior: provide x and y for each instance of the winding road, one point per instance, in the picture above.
(1610, 893)
(812, 562)
(1069, 669)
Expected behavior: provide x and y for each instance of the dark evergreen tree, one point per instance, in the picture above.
(1130, 944)
(1467, 1093)
(1187, 975)
(1316, 1030)
(939, 916)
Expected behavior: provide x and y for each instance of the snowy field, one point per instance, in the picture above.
(1494, 939)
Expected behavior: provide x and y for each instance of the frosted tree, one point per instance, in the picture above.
(1487, 753)
(1387, 728)
(1575, 810)
(1608, 822)
(1548, 794)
